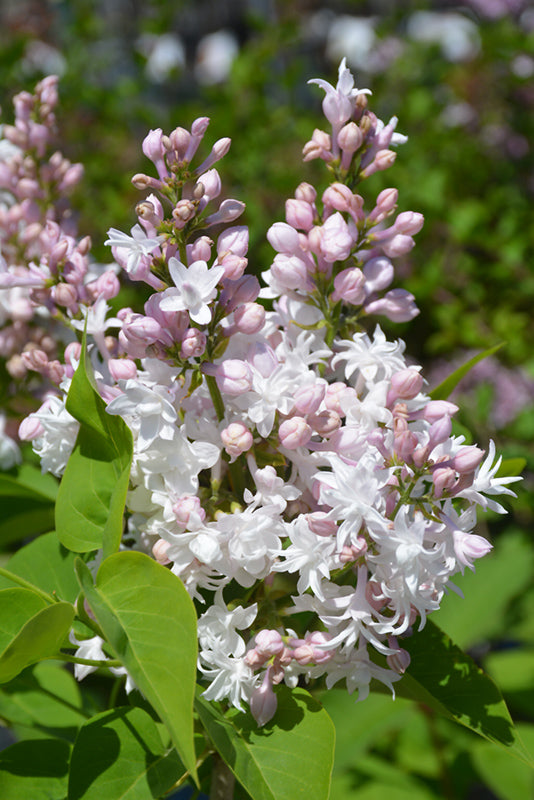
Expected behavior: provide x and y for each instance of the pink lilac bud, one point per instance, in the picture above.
(321, 524)
(405, 444)
(183, 143)
(233, 377)
(143, 182)
(439, 431)
(73, 352)
(30, 428)
(229, 210)
(398, 305)
(291, 272)
(211, 184)
(443, 479)
(320, 641)
(283, 238)
(56, 371)
(107, 285)
(349, 286)
(237, 439)
(64, 294)
(468, 459)
(319, 146)
(306, 192)
(263, 702)
(350, 138)
(234, 266)
(35, 359)
(71, 178)
(338, 196)
(183, 211)
(336, 241)
(200, 250)
(409, 222)
(218, 151)
(325, 423)
(249, 318)
(383, 160)
(309, 398)
(406, 383)
(193, 344)
(294, 432)
(159, 551)
(188, 512)
(400, 660)
(334, 394)
(304, 654)
(244, 290)
(435, 409)
(397, 245)
(233, 240)
(122, 369)
(269, 642)
(299, 214)
(468, 546)
(386, 202)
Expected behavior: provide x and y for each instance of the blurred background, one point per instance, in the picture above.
(460, 77)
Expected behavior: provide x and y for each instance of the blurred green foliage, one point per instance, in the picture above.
(468, 166)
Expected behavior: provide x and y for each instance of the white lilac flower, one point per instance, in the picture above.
(54, 445)
(150, 409)
(132, 249)
(194, 287)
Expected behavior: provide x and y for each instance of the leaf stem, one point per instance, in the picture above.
(89, 662)
(27, 585)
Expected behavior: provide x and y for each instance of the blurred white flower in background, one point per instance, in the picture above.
(215, 55)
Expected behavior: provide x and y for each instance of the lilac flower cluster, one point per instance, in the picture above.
(288, 463)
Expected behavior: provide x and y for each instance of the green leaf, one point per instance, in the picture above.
(119, 753)
(448, 681)
(446, 387)
(92, 493)
(36, 769)
(43, 699)
(501, 772)
(149, 621)
(48, 565)
(30, 630)
(290, 757)
(29, 482)
(27, 498)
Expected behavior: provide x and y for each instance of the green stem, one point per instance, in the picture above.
(27, 585)
(89, 662)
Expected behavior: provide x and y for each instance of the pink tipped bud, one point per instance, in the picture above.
(237, 439)
(263, 702)
(229, 210)
(200, 250)
(107, 285)
(159, 551)
(399, 661)
(249, 318)
(334, 395)
(350, 138)
(122, 369)
(468, 546)
(299, 214)
(234, 377)
(309, 398)
(193, 344)
(435, 409)
(398, 305)
(306, 192)
(468, 459)
(188, 512)
(378, 273)
(283, 238)
(294, 432)
(349, 286)
(385, 203)
(320, 524)
(407, 383)
(405, 444)
(30, 428)
(383, 160)
(443, 479)
(269, 642)
(439, 431)
(64, 294)
(398, 245)
(325, 423)
(243, 290)
(409, 222)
